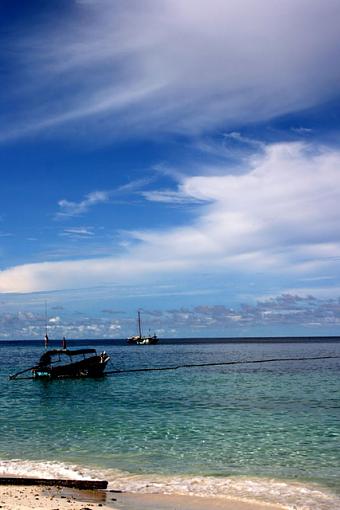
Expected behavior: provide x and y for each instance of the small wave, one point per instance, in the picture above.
(291, 495)
(288, 494)
(43, 469)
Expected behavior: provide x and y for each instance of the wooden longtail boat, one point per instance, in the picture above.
(67, 363)
(59, 363)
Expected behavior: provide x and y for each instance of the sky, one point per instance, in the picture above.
(178, 158)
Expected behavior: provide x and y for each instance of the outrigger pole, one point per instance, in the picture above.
(14, 376)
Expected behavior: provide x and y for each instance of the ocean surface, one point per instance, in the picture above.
(268, 431)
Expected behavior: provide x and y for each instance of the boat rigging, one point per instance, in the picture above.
(142, 339)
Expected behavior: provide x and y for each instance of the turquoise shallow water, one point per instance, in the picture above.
(278, 421)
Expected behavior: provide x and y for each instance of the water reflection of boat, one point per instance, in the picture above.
(142, 339)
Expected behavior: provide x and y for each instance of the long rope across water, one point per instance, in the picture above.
(194, 365)
(117, 371)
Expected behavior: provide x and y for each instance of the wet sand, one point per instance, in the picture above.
(129, 501)
(51, 498)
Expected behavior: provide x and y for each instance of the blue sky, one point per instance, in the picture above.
(182, 158)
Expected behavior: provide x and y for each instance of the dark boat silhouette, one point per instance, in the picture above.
(60, 363)
(68, 363)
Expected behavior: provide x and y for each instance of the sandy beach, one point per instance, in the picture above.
(50, 498)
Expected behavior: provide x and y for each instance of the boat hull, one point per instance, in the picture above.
(89, 367)
(144, 340)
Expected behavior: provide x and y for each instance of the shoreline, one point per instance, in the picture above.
(53, 498)
(132, 491)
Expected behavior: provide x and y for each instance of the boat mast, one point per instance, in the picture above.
(139, 326)
(46, 335)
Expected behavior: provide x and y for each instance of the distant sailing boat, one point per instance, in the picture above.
(142, 339)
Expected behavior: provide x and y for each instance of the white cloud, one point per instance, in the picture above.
(78, 232)
(169, 196)
(281, 215)
(25, 325)
(302, 130)
(287, 309)
(174, 66)
(115, 327)
(282, 310)
(237, 137)
(54, 320)
(68, 208)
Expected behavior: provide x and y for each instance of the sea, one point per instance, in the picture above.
(255, 431)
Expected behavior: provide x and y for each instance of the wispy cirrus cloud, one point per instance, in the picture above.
(279, 215)
(238, 137)
(78, 232)
(302, 130)
(169, 67)
(170, 197)
(68, 208)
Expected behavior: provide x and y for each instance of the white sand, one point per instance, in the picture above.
(49, 498)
